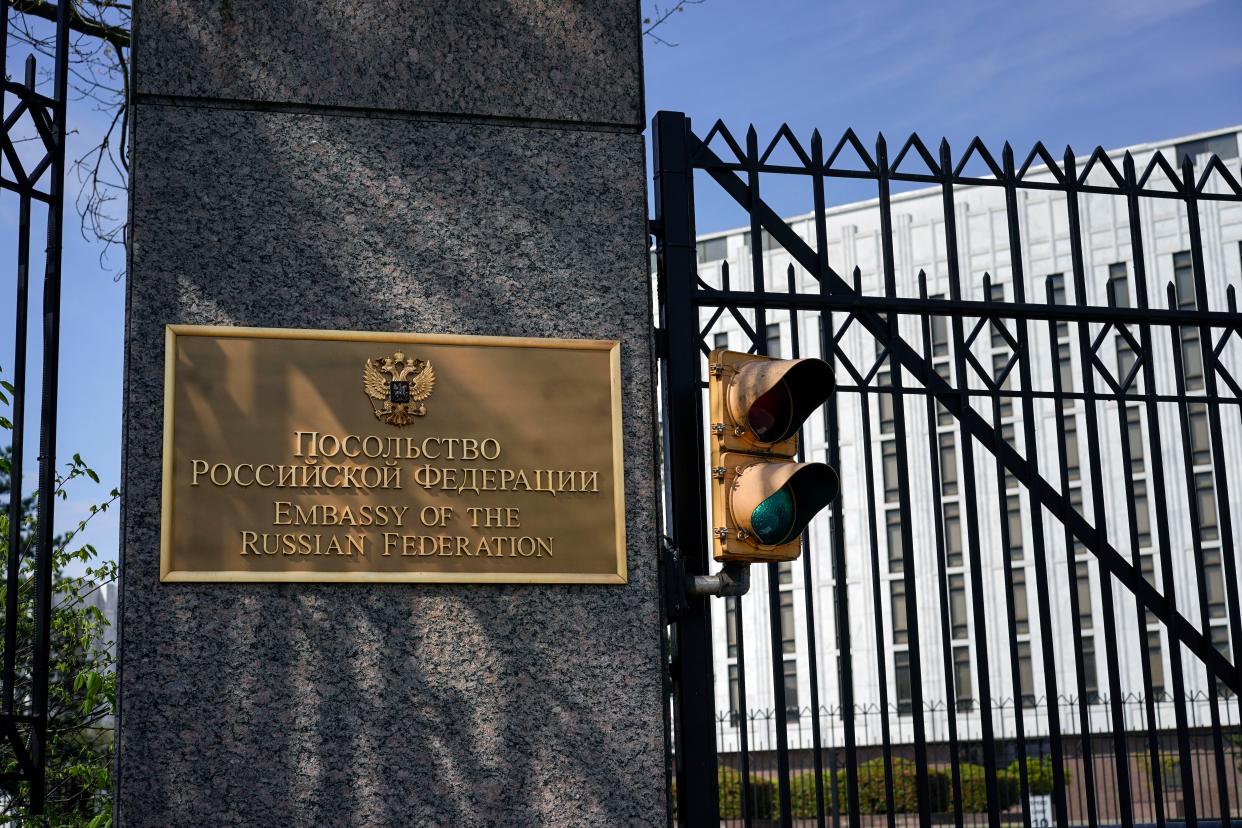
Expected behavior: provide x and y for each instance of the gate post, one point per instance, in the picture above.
(440, 168)
(693, 694)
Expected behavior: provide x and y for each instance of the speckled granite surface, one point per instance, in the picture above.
(571, 60)
(393, 705)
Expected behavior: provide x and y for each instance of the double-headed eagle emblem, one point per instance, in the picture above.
(401, 384)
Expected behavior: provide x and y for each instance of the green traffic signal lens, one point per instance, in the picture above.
(773, 518)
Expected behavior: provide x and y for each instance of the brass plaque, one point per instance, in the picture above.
(294, 455)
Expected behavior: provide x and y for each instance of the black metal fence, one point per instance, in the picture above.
(1150, 355)
(32, 169)
(763, 782)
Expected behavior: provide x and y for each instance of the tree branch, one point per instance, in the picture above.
(116, 35)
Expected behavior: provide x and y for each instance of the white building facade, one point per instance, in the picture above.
(871, 516)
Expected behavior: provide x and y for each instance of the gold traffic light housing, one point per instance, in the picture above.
(762, 500)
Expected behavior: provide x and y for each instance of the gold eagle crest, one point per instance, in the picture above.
(397, 386)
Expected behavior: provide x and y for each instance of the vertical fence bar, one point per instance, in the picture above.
(1208, 350)
(1179, 370)
(694, 699)
(1120, 748)
(743, 735)
(1084, 713)
(828, 345)
(1156, 449)
(773, 570)
(970, 499)
(1153, 746)
(942, 578)
(873, 547)
(1002, 506)
(903, 483)
(47, 433)
(1042, 595)
(17, 459)
(812, 643)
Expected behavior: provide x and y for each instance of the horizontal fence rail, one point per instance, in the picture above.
(1036, 500)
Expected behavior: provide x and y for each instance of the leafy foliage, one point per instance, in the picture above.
(82, 680)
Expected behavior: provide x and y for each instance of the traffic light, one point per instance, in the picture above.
(762, 499)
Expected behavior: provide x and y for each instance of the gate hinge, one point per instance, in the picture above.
(661, 342)
(655, 227)
(676, 599)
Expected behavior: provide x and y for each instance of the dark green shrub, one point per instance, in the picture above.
(872, 797)
(975, 789)
(762, 795)
(1038, 775)
(802, 794)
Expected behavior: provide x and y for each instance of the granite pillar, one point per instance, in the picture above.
(453, 167)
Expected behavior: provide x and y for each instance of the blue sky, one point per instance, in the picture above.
(1106, 72)
(1110, 72)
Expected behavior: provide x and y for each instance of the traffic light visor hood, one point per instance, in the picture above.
(774, 502)
(774, 397)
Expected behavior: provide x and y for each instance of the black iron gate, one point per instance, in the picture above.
(1142, 740)
(32, 167)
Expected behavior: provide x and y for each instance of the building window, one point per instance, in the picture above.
(1215, 581)
(901, 622)
(884, 400)
(1225, 146)
(1200, 435)
(1155, 661)
(713, 250)
(905, 686)
(721, 340)
(731, 626)
(1013, 516)
(1069, 425)
(964, 694)
(939, 333)
(1134, 437)
(1118, 286)
(958, 616)
(888, 466)
(735, 694)
(1075, 502)
(1021, 616)
(1082, 576)
(1220, 640)
(1058, 298)
(788, 636)
(1142, 517)
(944, 416)
(1147, 567)
(952, 534)
(892, 528)
(1065, 371)
(784, 573)
(948, 464)
(1089, 676)
(1000, 361)
(773, 335)
(1206, 499)
(1026, 673)
(996, 293)
(1184, 284)
(792, 710)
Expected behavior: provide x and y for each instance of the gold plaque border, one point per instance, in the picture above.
(169, 575)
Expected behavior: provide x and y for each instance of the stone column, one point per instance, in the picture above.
(448, 167)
